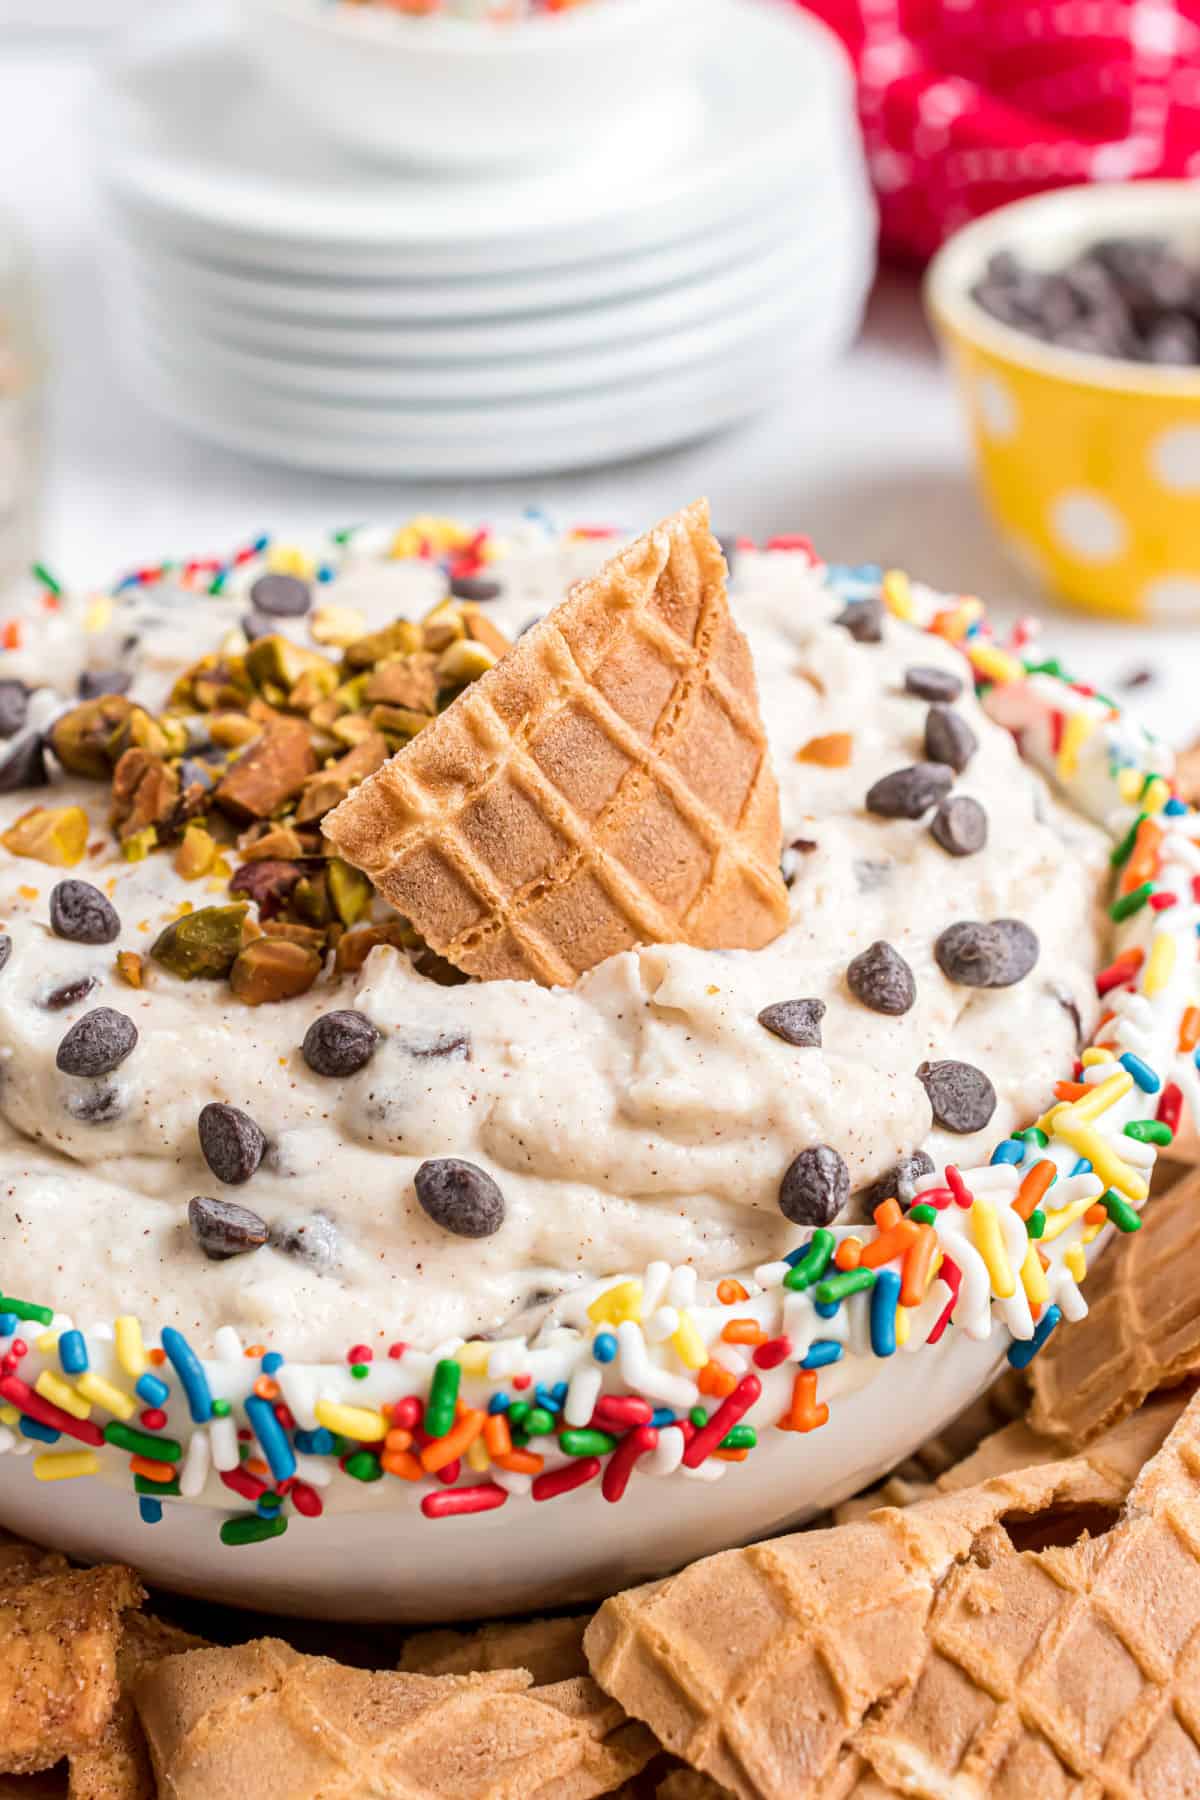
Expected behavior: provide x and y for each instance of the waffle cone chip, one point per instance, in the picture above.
(607, 783)
(264, 1720)
(551, 1649)
(1142, 1330)
(767, 1668)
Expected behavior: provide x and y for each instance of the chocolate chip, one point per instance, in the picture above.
(459, 1197)
(94, 683)
(991, 955)
(897, 1183)
(908, 793)
(961, 1096)
(475, 587)
(960, 825)
(98, 1104)
(24, 766)
(882, 980)
(339, 1043)
(795, 1021)
(232, 1144)
(281, 596)
(96, 1044)
(314, 1241)
(14, 707)
(815, 1187)
(863, 619)
(5, 948)
(223, 1230)
(59, 998)
(930, 683)
(256, 625)
(948, 738)
(81, 914)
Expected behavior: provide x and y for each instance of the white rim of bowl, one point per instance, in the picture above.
(479, 38)
(1069, 218)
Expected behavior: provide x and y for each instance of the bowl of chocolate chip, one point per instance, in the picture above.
(1072, 324)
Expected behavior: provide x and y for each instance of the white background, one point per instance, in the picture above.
(869, 458)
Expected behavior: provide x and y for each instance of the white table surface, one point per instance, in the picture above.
(869, 457)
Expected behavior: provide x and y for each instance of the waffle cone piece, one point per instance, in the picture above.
(796, 1666)
(606, 784)
(551, 1649)
(1142, 1331)
(264, 1720)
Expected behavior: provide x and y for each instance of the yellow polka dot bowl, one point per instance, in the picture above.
(1090, 465)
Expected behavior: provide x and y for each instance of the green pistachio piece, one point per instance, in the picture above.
(349, 890)
(201, 944)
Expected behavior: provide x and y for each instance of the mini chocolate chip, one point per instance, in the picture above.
(5, 948)
(928, 682)
(948, 738)
(455, 1045)
(281, 596)
(871, 875)
(475, 587)
(223, 1230)
(96, 1044)
(315, 1241)
(95, 683)
(815, 1187)
(257, 625)
(14, 707)
(1067, 1002)
(962, 1097)
(59, 998)
(908, 793)
(804, 846)
(960, 825)
(795, 1021)
(81, 914)
(232, 1144)
(897, 1183)
(863, 619)
(339, 1043)
(882, 980)
(986, 955)
(459, 1197)
(98, 1104)
(24, 766)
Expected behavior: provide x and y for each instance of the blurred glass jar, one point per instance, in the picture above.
(22, 386)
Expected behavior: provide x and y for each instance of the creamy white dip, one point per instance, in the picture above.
(644, 1114)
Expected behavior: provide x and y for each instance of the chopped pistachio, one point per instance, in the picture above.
(463, 662)
(216, 682)
(337, 625)
(202, 944)
(354, 949)
(231, 730)
(331, 784)
(349, 890)
(310, 900)
(196, 854)
(353, 729)
(443, 625)
(397, 721)
(409, 681)
(271, 843)
(483, 630)
(272, 969)
(269, 773)
(310, 937)
(81, 739)
(313, 686)
(145, 793)
(56, 835)
(137, 847)
(130, 968)
(399, 638)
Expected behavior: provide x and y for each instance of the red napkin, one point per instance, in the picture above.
(965, 106)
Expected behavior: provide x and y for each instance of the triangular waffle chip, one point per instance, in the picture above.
(760, 1666)
(266, 1721)
(118, 1766)
(1142, 1331)
(551, 1649)
(59, 1631)
(607, 783)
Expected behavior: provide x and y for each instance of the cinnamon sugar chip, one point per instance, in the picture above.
(607, 783)
(1142, 1330)
(59, 1631)
(264, 1720)
(117, 1767)
(922, 1649)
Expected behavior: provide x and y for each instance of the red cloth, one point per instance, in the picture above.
(967, 105)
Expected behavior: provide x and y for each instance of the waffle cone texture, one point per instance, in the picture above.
(606, 784)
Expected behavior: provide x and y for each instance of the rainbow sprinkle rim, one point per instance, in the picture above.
(648, 1372)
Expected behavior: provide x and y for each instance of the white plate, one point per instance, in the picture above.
(516, 441)
(574, 349)
(312, 303)
(246, 176)
(382, 388)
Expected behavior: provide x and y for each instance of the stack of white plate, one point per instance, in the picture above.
(280, 297)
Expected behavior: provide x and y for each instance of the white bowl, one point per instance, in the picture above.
(461, 94)
(384, 1560)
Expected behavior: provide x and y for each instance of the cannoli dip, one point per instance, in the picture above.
(657, 1109)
